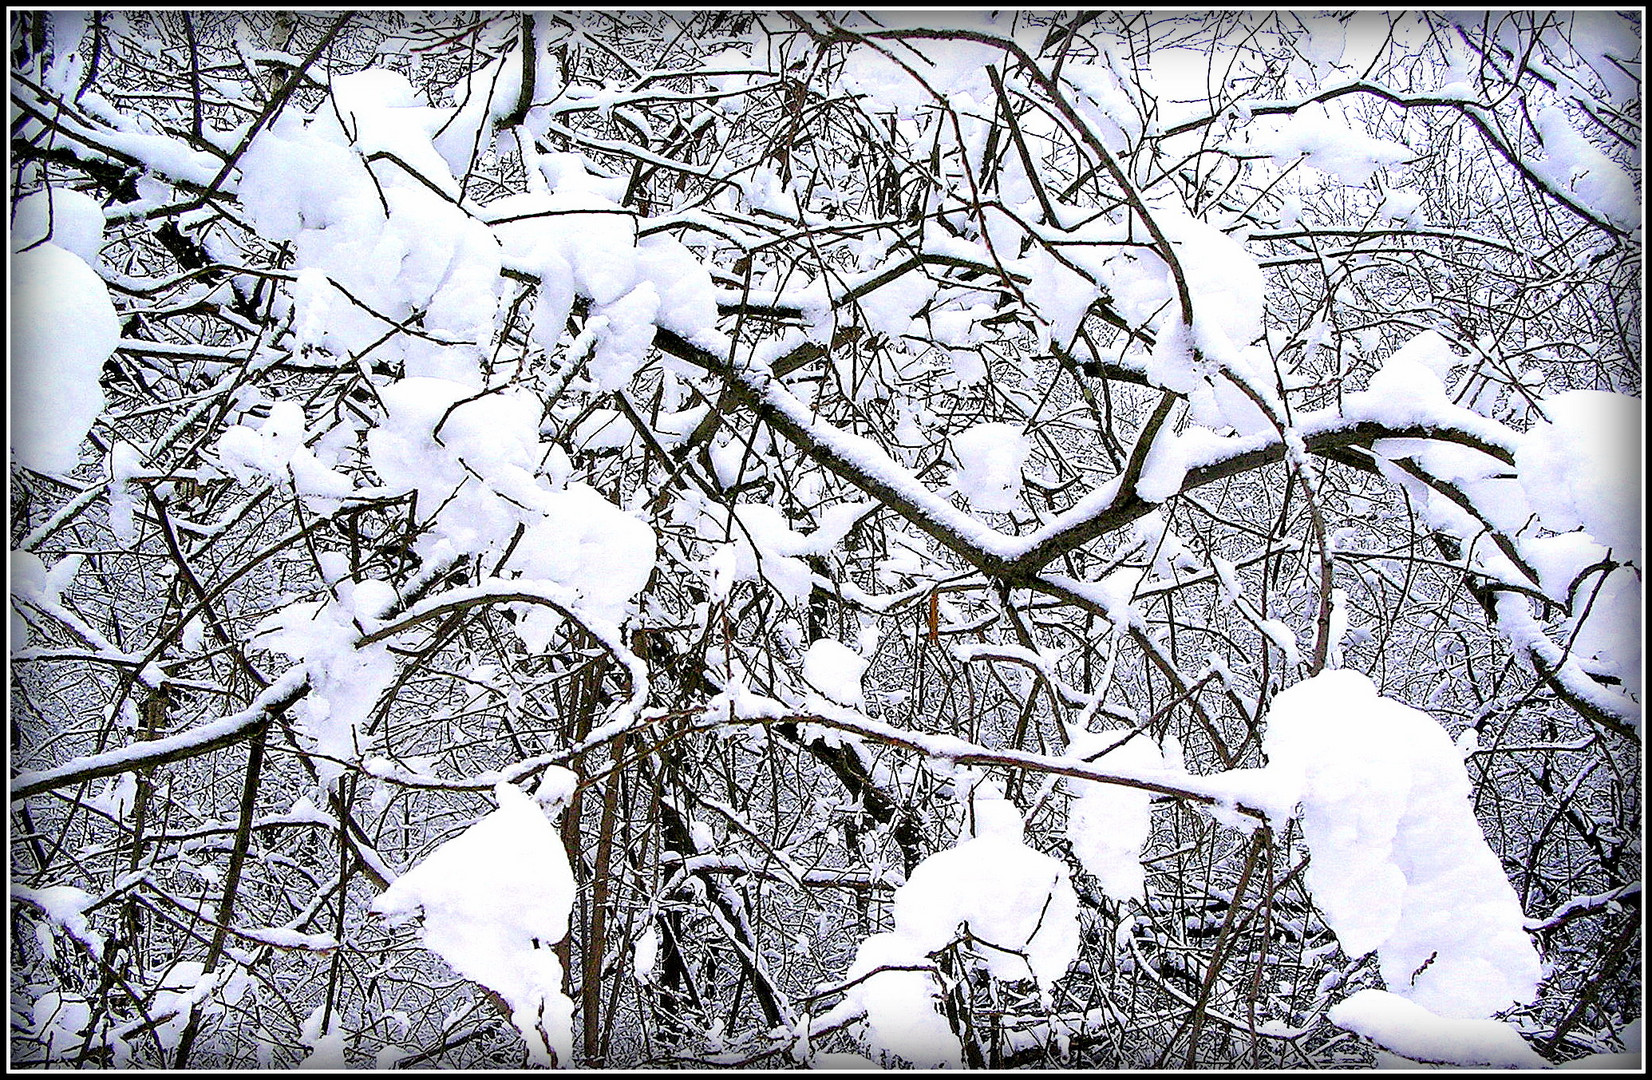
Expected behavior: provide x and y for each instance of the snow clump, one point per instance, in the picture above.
(495, 901)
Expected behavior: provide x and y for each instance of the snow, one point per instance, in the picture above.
(1018, 904)
(1404, 208)
(645, 953)
(1021, 918)
(476, 475)
(902, 1008)
(219, 731)
(1398, 863)
(586, 544)
(399, 270)
(1328, 142)
(32, 580)
(1412, 1031)
(624, 331)
(64, 908)
(687, 298)
(1173, 454)
(63, 327)
(345, 681)
(880, 75)
(275, 449)
(1105, 102)
(835, 670)
(1225, 280)
(117, 797)
(1108, 824)
(495, 901)
(185, 986)
(990, 459)
(374, 231)
(125, 462)
(1531, 644)
(764, 548)
(1060, 296)
(1411, 382)
(325, 1046)
(1608, 625)
(68, 218)
(381, 111)
(59, 1021)
(1574, 165)
(1581, 468)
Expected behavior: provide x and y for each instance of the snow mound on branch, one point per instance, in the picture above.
(68, 218)
(495, 901)
(1409, 388)
(1608, 626)
(835, 670)
(63, 327)
(345, 681)
(1014, 905)
(471, 458)
(1398, 863)
(1329, 143)
(1581, 468)
(1572, 164)
(1057, 293)
(276, 449)
(990, 458)
(64, 908)
(1107, 824)
(585, 543)
(1017, 903)
(579, 242)
(1411, 1031)
(764, 547)
(378, 242)
(326, 1045)
(903, 1008)
(908, 82)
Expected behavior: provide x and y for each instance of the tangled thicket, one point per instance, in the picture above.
(795, 446)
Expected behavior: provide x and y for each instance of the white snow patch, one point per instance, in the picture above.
(1016, 904)
(1328, 142)
(990, 458)
(1412, 1031)
(495, 901)
(1398, 863)
(835, 670)
(63, 327)
(68, 218)
(1582, 468)
(1107, 824)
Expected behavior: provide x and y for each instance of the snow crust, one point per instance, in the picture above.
(495, 901)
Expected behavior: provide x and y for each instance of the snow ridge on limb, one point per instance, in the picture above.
(201, 739)
(1018, 560)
